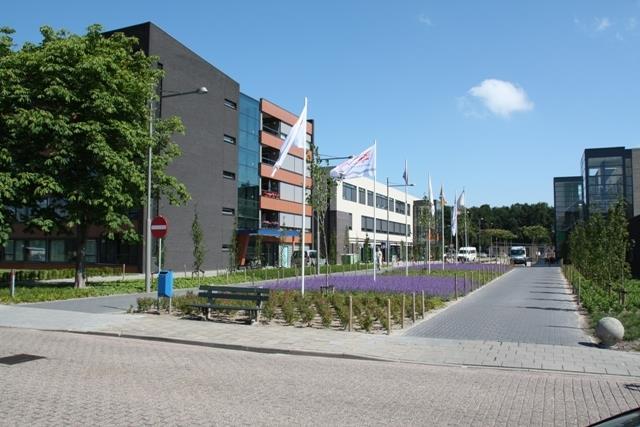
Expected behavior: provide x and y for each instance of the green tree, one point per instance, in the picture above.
(74, 120)
(536, 233)
(199, 249)
(320, 196)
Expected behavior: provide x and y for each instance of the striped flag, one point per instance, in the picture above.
(364, 164)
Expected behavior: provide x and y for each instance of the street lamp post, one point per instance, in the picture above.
(479, 242)
(147, 267)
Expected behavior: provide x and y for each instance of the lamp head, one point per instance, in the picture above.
(202, 90)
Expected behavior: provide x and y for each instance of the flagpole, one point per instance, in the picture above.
(406, 234)
(466, 236)
(442, 214)
(304, 197)
(455, 211)
(375, 207)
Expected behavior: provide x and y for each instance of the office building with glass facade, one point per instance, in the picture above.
(270, 220)
(607, 175)
(568, 205)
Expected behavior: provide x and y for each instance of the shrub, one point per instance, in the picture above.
(145, 303)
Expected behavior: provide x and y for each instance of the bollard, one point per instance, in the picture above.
(413, 296)
(464, 283)
(245, 274)
(185, 271)
(227, 277)
(388, 316)
(423, 307)
(350, 313)
(123, 270)
(578, 291)
(403, 311)
(455, 285)
(12, 282)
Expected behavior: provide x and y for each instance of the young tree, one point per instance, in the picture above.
(199, 249)
(75, 133)
(320, 195)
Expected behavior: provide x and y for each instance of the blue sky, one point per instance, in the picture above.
(494, 96)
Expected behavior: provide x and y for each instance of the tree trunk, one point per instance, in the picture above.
(81, 248)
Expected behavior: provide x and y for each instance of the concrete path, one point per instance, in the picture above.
(528, 305)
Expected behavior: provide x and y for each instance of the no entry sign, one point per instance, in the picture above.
(159, 227)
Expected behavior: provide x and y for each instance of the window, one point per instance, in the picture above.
(230, 104)
(57, 252)
(226, 248)
(9, 254)
(35, 250)
(362, 194)
(350, 221)
(399, 207)
(229, 139)
(349, 192)
(366, 223)
(91, 251)
(370, 198)
(228, 211)
(408, 209)
(391, 206)
(229, 175)
(381, 201)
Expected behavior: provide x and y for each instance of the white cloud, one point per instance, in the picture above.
(424, 19)
(602, 24)
(502, 98)
(632, 23)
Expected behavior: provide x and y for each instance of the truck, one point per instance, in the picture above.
(518, 255)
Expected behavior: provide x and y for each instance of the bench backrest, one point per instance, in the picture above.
(258, 295)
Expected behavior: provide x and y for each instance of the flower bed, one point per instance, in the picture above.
(431, 285)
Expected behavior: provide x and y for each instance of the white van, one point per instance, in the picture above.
(518, 255)
(467, 254)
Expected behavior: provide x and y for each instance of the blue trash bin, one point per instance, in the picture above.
(165, 284)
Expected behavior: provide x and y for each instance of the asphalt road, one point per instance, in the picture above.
(529, 305)
(93, 380)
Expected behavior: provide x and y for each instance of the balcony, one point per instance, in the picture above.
(271, 194)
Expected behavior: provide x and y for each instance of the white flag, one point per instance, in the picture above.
(364, 164)
(432, 202)
(461, 200)
(454, 219)
(297, 137)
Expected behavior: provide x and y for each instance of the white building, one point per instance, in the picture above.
(350, 218)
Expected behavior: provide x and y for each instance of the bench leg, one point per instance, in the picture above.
(257, 316)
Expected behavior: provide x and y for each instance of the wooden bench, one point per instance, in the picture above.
(215, 294)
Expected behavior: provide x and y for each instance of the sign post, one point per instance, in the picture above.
(159, 227)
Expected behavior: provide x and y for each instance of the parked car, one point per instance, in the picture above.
(311, 258)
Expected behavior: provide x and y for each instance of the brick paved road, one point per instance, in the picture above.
(531, 305)
(92, 380)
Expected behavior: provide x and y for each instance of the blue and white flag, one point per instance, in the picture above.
(297, 138)
(364, 164)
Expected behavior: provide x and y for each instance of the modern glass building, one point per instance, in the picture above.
(607, 175)
(568, 203)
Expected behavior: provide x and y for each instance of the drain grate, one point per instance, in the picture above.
(19, 358)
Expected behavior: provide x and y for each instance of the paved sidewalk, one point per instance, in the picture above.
(274, 338)
(530, 305)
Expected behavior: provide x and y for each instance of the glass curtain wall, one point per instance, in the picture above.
(248, 163)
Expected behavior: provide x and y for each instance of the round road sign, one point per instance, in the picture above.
(159, 227)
